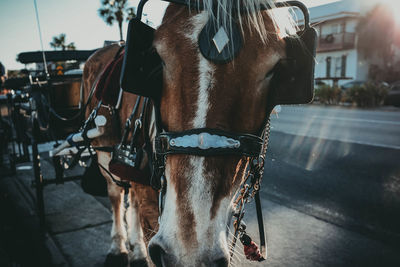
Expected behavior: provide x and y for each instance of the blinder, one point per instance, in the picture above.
(293, 79)
(292, 82)
(141, 69)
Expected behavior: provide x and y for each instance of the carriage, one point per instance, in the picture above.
(46, 108)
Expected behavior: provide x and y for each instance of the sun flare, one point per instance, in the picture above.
(394, 6)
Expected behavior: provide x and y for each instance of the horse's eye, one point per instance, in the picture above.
(272, 71)
(270, 74)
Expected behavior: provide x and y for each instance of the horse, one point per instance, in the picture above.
(191, 227)
(132, 227)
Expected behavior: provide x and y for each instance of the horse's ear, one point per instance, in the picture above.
(293, 80)
(142, 69)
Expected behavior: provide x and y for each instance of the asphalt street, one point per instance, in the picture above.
(338, 164)
(331, 187)
(377, 128)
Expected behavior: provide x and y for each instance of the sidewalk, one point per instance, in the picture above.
(79, 231)
(78, 225)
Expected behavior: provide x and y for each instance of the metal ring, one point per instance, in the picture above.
(138, 123)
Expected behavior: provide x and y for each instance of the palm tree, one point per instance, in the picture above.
(71, 46)
(116, 10)
(60, 42)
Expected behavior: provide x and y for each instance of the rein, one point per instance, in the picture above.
(250, 189)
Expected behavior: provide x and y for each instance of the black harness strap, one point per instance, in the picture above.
(128, 122)
(260, 223)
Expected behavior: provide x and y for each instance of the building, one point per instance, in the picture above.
(338, 59)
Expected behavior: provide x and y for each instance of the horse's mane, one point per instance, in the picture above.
(222, 11)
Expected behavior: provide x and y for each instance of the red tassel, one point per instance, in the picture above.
(252, 252)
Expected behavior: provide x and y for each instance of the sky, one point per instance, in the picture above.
(78, 19)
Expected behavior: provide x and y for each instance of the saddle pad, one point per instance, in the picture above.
(108, 87)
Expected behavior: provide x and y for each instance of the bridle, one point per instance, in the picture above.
(145, 79)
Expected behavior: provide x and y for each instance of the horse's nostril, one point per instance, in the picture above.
(156, 254)
(221, 262)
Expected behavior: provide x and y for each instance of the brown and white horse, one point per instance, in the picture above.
(192, 230)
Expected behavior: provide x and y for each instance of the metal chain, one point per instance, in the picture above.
(249, 188)
(259, 167)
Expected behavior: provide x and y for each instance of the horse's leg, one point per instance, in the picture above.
(118, 253)
(135, 233)
(143, 219)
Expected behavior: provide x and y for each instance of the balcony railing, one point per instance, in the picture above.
(337, 41)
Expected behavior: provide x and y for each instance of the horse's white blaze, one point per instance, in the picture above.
(200, 188)
(205, 82)
(200, 197)
(205, 72)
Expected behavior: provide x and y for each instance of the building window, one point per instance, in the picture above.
(338, 66)
(344, 63)
(336, 28)
(328, 66)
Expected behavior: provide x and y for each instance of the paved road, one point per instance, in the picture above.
(370, 127)
(339, 165)
(331, 189)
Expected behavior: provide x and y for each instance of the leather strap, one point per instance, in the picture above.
(248, 145)
(263, 248)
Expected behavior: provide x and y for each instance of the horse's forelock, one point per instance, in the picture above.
(222, 11)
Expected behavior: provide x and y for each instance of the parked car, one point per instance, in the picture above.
(393, 96)
(318, 84)
(351, 84)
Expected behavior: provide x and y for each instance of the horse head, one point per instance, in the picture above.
(220, 62)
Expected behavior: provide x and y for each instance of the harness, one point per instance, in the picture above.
(291, 83)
